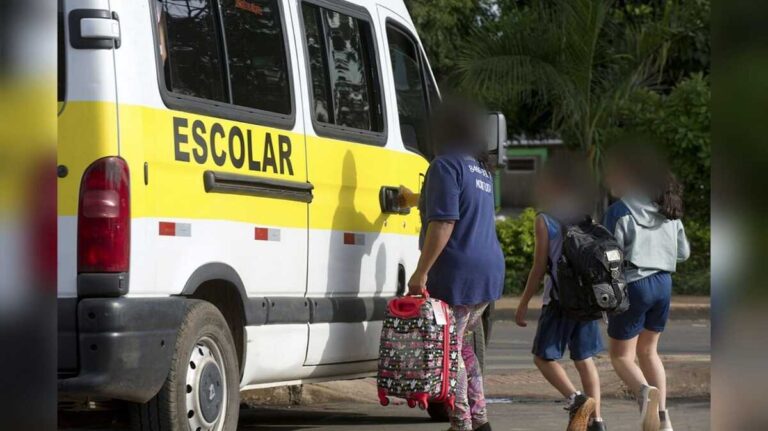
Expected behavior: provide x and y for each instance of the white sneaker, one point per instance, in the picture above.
(666, 423)
(649, 408)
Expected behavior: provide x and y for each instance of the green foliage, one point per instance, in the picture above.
(564, 58)
(693, 276)
(517, 242)
(680, 121)
(688, 29)
(442, 26)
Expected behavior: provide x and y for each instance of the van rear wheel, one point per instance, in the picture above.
(201, 392)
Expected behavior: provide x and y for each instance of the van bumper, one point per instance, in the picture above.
(124, 346)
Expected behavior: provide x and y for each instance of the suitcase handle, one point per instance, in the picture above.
(425, 295)
(406, 307)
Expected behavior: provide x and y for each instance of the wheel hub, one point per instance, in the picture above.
(210, 391)
(205, 387)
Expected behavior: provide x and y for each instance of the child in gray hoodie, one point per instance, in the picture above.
(646, 223)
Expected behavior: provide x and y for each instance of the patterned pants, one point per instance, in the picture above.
(470, 410)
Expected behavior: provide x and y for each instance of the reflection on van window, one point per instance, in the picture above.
(189, 48)
(343, 70)
(318, 65)
(412, 105)
(258, 67)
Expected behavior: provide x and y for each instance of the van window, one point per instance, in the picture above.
(230, 51)
(343, 70)
(412, 102)
(193, 61)
(318, 65)
(258, 67)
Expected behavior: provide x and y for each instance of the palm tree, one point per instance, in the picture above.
(567, 58)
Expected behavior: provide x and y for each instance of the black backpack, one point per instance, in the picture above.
(590, 272)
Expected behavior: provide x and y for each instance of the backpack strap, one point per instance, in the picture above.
(587, 219)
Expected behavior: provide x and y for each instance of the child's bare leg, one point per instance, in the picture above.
(555, 375)
(650, 363)
(623, 360)
(590, 380)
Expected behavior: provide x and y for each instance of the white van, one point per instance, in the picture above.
(227, 196)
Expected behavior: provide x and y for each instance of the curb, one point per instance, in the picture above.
(676, 312)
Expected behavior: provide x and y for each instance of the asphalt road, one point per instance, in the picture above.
(518, 416)
(510, 347)
(509, 350)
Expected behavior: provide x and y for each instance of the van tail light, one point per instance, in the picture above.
(103, 217)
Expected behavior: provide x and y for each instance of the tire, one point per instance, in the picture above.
(488, 322)
(479, 340)
(202, 389)
(438, 412)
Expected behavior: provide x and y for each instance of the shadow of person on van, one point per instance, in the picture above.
(354, 242)
(354, 234)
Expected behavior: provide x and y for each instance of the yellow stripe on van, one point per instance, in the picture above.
(87, 131)
(178, 147)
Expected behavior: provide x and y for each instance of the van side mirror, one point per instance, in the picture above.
(497, 136)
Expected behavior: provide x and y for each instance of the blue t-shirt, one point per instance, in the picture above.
(470, 270)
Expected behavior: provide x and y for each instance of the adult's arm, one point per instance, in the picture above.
(437, 236)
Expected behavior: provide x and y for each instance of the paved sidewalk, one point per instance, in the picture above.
(526, 415)
(683, 308)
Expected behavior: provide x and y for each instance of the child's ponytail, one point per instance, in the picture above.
(670, 200)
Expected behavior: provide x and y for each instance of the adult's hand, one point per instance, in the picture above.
(407, 198)
(417, 285)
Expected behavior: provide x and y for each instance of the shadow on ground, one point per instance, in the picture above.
(294, 419)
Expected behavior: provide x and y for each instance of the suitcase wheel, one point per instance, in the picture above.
(383, 399)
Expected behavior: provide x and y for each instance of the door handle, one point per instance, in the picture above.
(94, 29)
(389, 202)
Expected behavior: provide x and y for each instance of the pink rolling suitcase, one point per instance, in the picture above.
(418, 354)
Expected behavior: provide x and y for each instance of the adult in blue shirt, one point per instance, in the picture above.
(461, 260)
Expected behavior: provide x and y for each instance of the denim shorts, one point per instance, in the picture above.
(649, 300)
(556, 332)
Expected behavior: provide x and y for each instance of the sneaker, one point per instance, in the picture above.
(666, 423)
(579, 413)
(649, 408)
(597, 426)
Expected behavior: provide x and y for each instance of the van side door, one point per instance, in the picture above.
(354, 247)
(416, 94)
